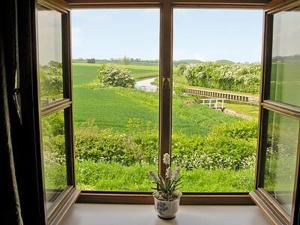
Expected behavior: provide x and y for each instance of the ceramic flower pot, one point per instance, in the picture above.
(166, 209)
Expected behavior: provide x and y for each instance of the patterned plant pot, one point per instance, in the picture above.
(166, 209)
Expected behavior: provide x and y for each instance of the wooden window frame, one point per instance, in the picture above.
(166, 8)
(69, 195)
(33, 206)
(261, 197)
(165, 102)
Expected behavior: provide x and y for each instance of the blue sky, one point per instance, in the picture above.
(204, 34)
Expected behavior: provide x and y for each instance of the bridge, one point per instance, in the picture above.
(232, 96)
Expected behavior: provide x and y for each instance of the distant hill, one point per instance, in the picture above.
(134, 61)
(186, 61)
(224, 61)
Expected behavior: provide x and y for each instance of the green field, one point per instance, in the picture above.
(111, 107)
(84, 73)
(115, 108)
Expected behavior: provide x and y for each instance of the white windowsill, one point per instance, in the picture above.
(115, 214)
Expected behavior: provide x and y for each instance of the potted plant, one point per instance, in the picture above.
(167, 196)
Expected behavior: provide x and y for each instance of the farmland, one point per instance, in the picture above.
(129, 117)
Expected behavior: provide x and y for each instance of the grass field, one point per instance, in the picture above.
(87, 72)
(113, 176)
(113, 107)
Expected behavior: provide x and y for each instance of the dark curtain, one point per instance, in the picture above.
(9, 102)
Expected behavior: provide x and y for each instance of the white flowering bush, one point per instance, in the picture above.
(111, 75)
(167, 186)
(232, 77)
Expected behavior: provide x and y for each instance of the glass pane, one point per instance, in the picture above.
(54, 154)
(285, 72)
(50, 55)
(115, 87)
(280, 165)
(216, 75)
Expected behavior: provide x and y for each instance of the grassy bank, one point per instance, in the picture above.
(113, 176)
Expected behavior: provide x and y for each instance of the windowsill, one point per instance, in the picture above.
(115, 214)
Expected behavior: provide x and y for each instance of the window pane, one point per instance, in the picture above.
(115, 71)
(216, 75)
(54, 153)
(50, 55)
(285, 72)
(282, 144)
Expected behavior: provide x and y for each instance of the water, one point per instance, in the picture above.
(146, 85)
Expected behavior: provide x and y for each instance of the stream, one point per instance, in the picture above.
(146, 85)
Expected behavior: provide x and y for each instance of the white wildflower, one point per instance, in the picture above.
(166, 159)
(176, 174)
(169, 173)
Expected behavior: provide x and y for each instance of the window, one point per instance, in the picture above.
(216, 83)
(115, 70)
(277, 179)
(285, 68)
(129, 112)
(55, 103)
(281, 157)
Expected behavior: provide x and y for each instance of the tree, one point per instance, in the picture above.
(91, 60)
(125, 60)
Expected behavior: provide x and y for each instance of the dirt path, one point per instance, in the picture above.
(234, 113)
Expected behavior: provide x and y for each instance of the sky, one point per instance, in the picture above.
(49, 36)
(203, 34)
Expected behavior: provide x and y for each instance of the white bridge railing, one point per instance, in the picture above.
(214, 103)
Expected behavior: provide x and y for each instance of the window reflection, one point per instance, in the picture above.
(53, 137)
(285, 79)
(282, 141)
(50, 55)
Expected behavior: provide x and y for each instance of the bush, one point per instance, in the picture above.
(226, 146)
(92, 143)
(111, 75)
(51, 80)
(232, 77)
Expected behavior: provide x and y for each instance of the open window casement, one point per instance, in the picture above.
(55, 103)
(277, 182)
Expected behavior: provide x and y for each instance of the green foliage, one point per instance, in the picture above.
(91, 60)
(102, 165)
(232, 77)
(226, 146)
(111, 75)
(51, 80)
(230, 146)
(105, 145)
(125, 60)
(54, 151)
(92, 175)
(181, 68)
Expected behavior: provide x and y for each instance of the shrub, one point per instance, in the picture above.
(232, 146)
(51, 80)
(111, 75)
(233, 77)
(106, 145)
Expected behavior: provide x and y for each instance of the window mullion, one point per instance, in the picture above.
(165, 82)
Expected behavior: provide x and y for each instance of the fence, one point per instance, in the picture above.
(223, 95)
